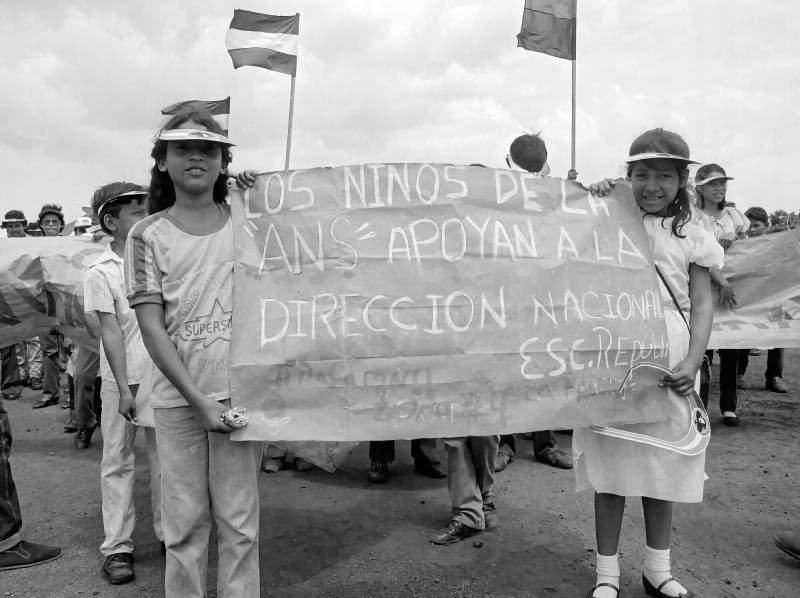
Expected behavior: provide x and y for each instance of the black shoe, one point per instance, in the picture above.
(651, 590)
(27, 554)
(431, 469)
(730, 420)
(491, 518)
(84, 438)
(36, 384)
(378, 473)
(70, 426)
(554, 457)
(454, 532)
(118, 568)
(46, 402)
(12, 393)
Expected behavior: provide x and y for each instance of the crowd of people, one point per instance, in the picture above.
(173, 240)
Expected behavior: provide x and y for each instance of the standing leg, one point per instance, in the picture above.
(465, 496)
(728, 365)
(545, 449)
(426, 461)
(155, 481)
(117, 478)
(14, 551)
(87, 364)
(484, 450)
(608, 511)
(774, 372)
(381, 453)
(185, 504)
(50, 370)
(658, 529)
(10, 514)
(10, 382)
(741, 367)
(34, 350)
(233, 486)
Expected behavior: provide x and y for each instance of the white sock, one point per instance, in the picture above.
(656, 569)
(728, 414)
(607, 572)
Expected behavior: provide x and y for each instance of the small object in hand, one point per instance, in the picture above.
(235, 417)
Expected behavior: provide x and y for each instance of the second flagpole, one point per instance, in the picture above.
(291, 116)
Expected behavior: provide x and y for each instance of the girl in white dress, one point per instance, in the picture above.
(616, 468)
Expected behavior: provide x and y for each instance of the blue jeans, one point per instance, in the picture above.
(10, 515)
(206, 475)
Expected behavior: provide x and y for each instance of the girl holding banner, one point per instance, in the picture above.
(615, 467)
(179, 278)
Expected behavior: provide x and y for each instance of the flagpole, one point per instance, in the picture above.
(289, 132)
(574, 79)
(291, 116)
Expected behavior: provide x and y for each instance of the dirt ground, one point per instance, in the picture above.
(336, 535)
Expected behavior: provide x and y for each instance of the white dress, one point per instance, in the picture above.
(617, 466)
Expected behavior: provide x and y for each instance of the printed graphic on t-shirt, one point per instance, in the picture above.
(209, 328)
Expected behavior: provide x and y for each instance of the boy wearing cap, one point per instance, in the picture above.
(123, 363)
(759, 225)
(51, 222)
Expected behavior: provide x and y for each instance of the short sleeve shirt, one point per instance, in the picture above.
(191, 275)
(104, 291)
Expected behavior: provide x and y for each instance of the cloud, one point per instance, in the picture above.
(414, 81)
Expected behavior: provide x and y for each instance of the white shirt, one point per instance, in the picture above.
(104, 291)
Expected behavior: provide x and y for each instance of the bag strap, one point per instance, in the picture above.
(671, 294)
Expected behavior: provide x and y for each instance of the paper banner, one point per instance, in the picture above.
(387, 301)
(41, 287)
(765, 274)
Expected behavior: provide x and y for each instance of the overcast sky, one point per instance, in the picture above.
(83, 82)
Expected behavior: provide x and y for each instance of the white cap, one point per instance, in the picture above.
(192, 135)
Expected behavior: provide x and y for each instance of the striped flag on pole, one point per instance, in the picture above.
(266, 41)
(548, 26)
(219, 109)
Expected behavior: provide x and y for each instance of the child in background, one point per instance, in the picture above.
(616, 468)
(123, 365)
(179, 276)
(51, 223)
(726, 224)
(759, 225)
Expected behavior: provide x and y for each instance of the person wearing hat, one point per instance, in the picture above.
(11, 379)
(123, 365)
(51, 222)
(722, 221)
(81, 226)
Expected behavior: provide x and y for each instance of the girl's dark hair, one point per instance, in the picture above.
(106, 192)
(162, 190)
(703, 172)
(667, 142)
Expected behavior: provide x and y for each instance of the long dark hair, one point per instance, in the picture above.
(667, 142)
(702, 173)
(162, 190)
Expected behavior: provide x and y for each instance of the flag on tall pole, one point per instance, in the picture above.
(548, 26)
(266, 41)
(219, 109)
(269, 42)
